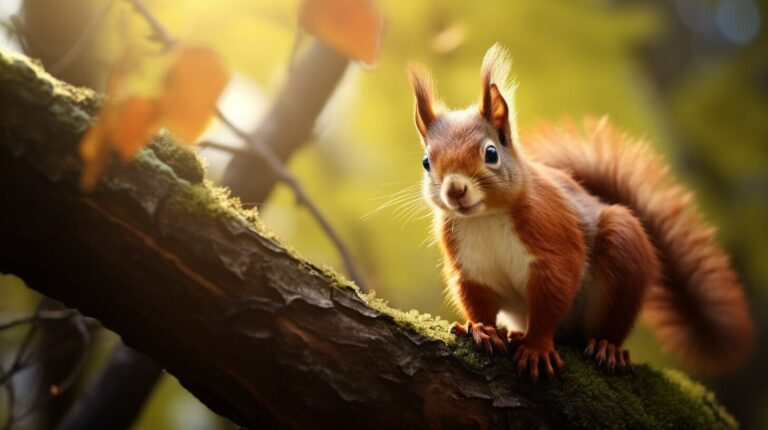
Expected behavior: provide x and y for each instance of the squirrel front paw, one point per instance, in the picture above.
(532, 355)
(485, 337)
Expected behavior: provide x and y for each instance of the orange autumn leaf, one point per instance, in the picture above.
(351, 26)
(138, 118)
(94, 151)
(192, 85)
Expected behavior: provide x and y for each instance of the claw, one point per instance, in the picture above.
(621, 363)
(559, 364)
(531, 357)
(499, 342)
(548, 368)
(459, 329)
(485, 337)
(611, 362)
(534, 366)
(613, 358)
(601, 352)
(630, 364)
(590, 349)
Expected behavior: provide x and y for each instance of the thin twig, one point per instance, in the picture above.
(7, 376)
(11, 405)
(264, 152)
(159, 32)
(69, 381)
(18, 359)
(20, 33)
(42, 316)
(58, 347)
(87, 339)
(85, 37)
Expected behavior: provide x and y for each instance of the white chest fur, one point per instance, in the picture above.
(491, 253)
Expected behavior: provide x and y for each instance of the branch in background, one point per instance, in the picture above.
(256, 333)
(115, 399)
(6, 376)
(287, 126)
(44, 315)
(82, 42)
(289, 123)
(46, 350)
(51, 29)
(159, 33)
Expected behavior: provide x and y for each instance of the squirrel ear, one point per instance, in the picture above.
(494, 108)
(425, 94)
(494, 72)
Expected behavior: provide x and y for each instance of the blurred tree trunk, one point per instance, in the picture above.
(669, 62)
(309, 84)
(51, 28)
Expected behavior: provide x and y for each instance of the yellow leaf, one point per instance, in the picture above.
(193, 84)
(351, 26)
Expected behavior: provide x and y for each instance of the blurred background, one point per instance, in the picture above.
(691, 76)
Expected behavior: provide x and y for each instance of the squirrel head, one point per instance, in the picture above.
(473, 163)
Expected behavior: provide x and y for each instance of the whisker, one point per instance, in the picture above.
(394, 199)
(398, 193)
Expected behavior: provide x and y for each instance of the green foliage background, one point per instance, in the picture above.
(708, 113)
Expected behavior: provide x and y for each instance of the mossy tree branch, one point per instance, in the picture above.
(260, 335)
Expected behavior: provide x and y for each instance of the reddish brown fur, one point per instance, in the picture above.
(479, 303)
(424, 91)
(551, 232)
(625, 265)
(699, 309)
(691, 294)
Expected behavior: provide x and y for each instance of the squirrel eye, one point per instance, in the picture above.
(491, 155)
(425, 163)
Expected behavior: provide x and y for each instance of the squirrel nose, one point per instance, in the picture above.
(457, 191)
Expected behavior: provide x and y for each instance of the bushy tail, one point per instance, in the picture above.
(700, 309)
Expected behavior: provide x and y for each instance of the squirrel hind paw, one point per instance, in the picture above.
(485, 337)
(609, 356)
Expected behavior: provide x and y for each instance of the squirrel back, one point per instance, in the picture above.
(700, 309)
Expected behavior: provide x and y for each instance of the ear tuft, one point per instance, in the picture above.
(423, 89)
(497, 93)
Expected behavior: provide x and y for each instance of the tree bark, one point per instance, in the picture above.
(258, 334)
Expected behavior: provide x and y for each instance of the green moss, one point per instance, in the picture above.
(424, 324)
(206, 199)
(588, 398)
(64, 110)
(582, 397)
(184, 162)
(338, 280)
(585, 396)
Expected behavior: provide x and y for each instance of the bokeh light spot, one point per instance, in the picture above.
(738, 20)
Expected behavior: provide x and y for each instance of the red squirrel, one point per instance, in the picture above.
(570, 234)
